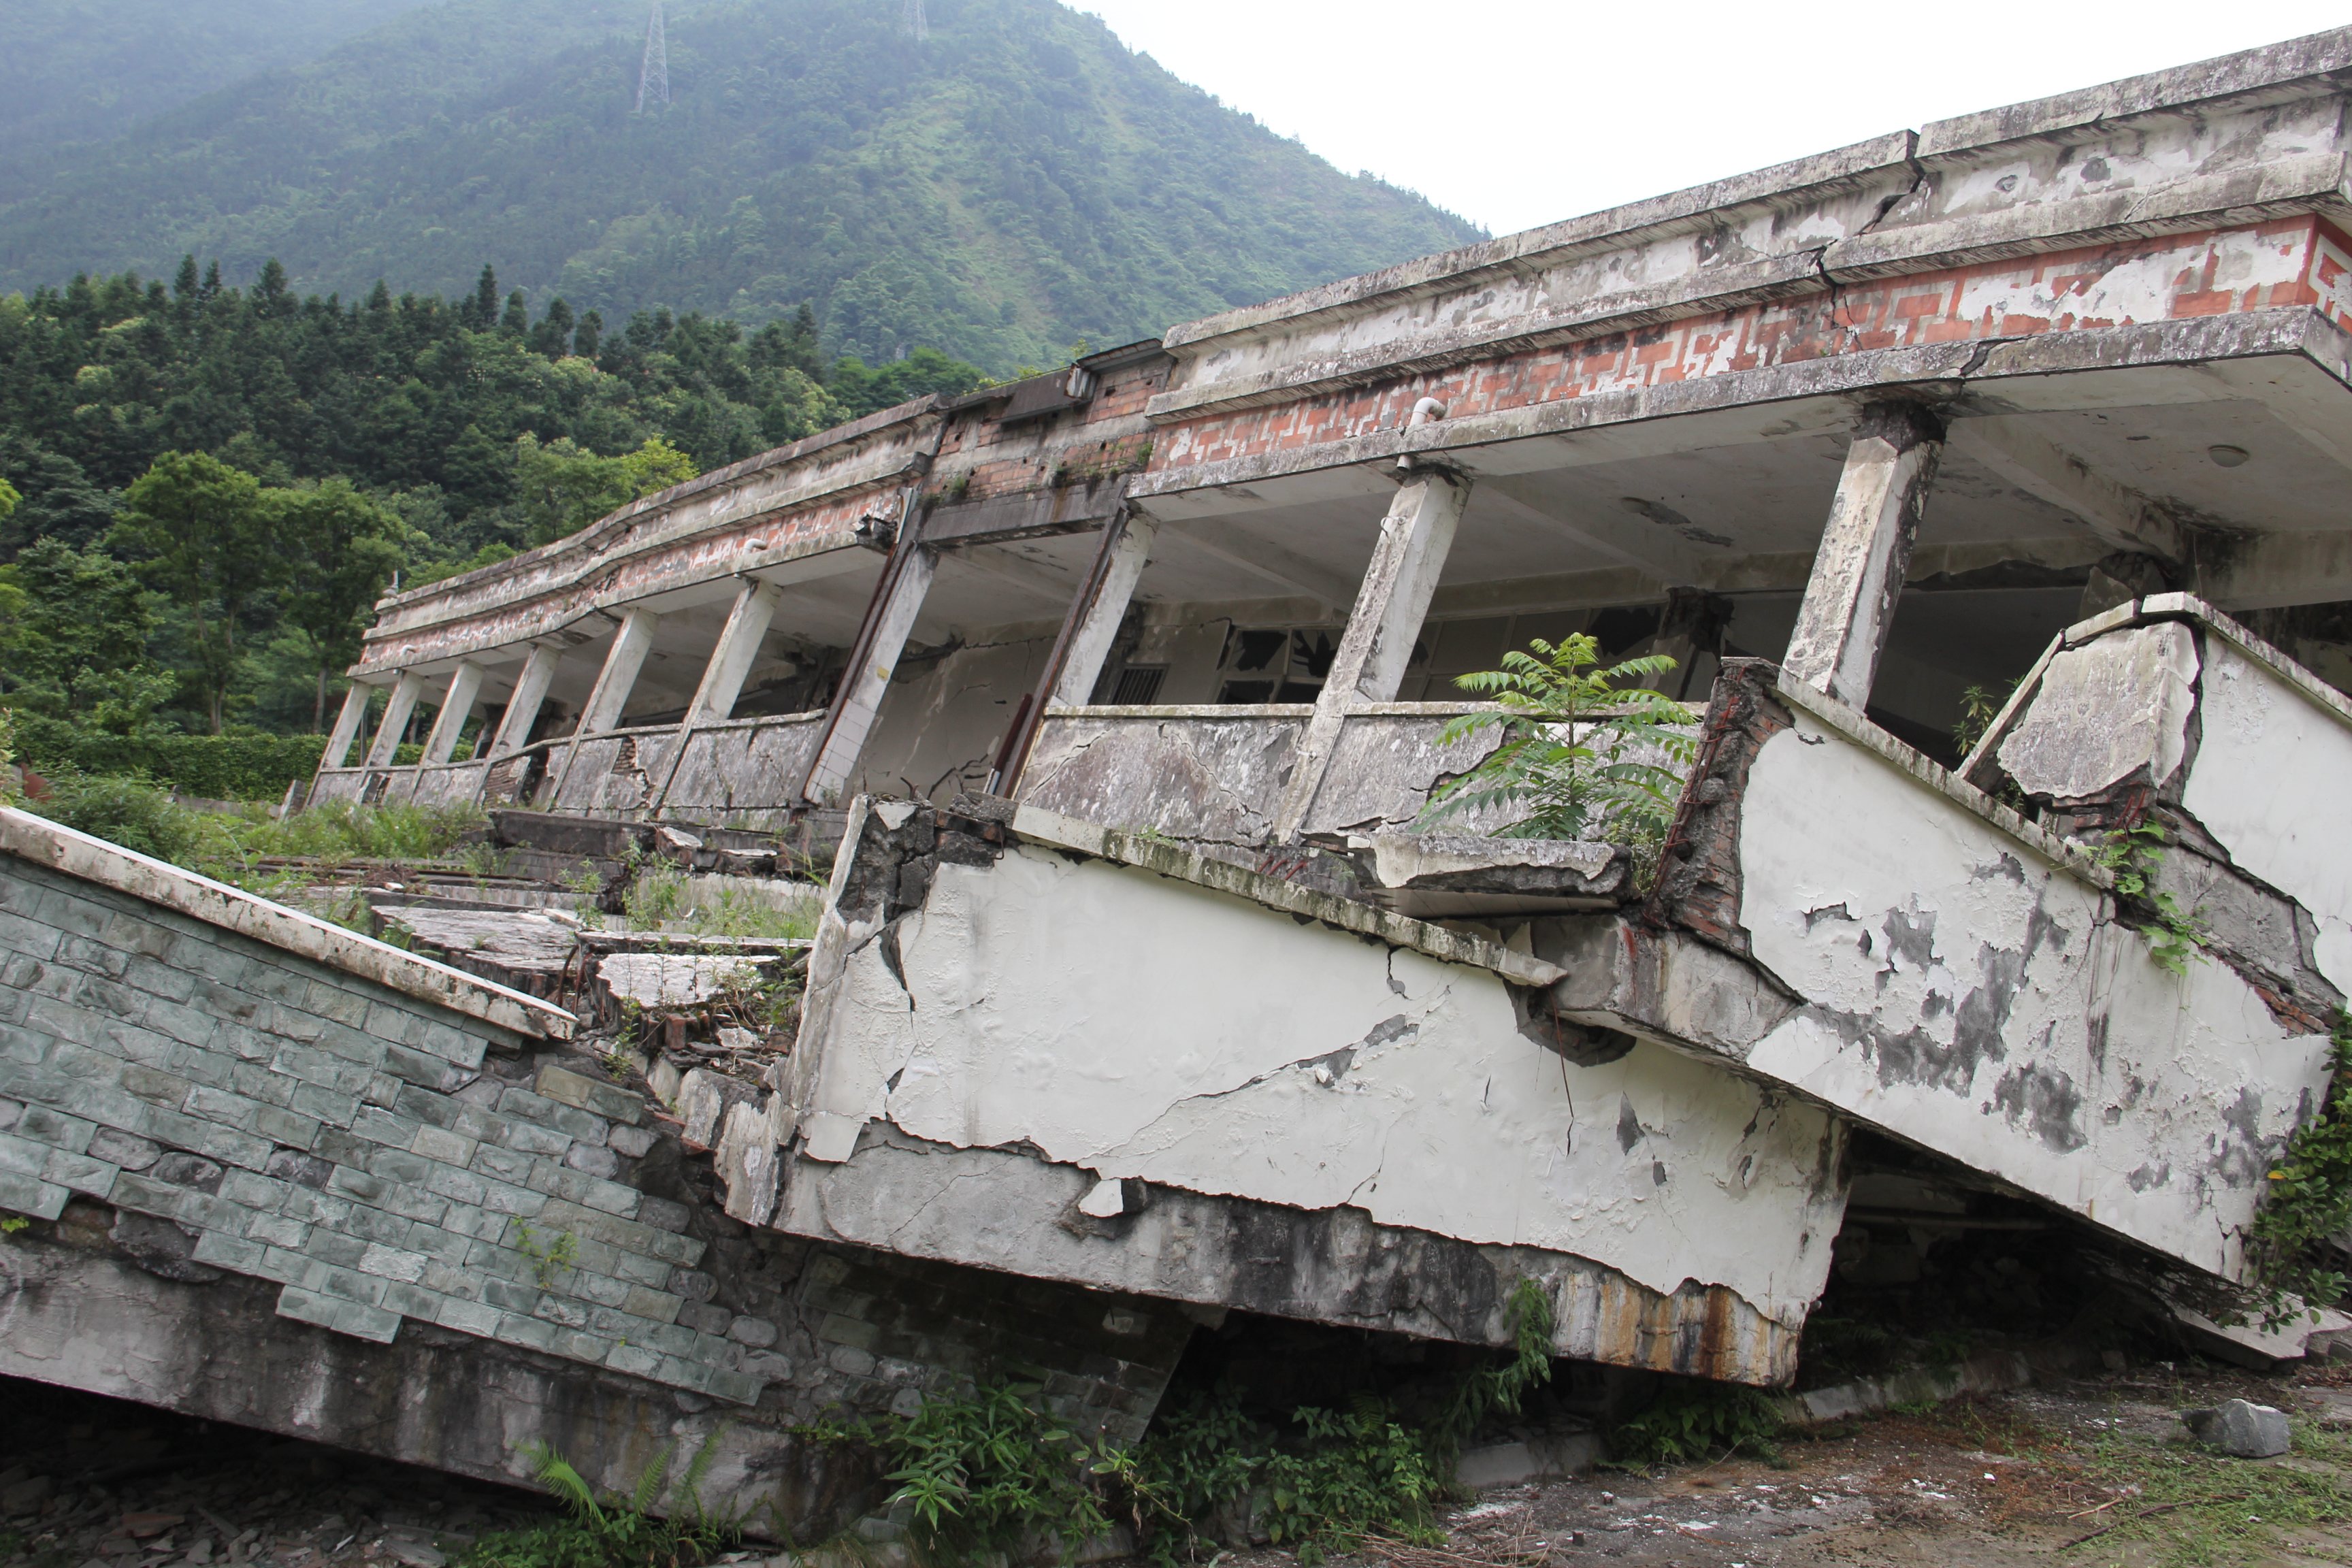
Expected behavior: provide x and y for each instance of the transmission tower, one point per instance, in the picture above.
(918, 27)
(653, 77)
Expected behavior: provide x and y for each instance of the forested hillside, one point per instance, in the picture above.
(1016, 183)
(78, 71)
(204, 488)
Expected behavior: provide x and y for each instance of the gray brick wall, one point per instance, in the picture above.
(347, 1144)
(381, 1160)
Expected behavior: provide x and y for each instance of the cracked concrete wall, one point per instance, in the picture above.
(1978, 991)
(1214, 776)
(1966, 995)
(283, 1174)
(974, 1069)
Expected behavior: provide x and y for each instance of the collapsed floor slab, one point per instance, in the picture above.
(1095, 1057)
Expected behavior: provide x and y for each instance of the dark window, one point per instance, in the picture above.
(1257, 650)
(1246, 691)
(1617, 629)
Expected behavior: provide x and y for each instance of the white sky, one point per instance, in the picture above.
(1520, 112)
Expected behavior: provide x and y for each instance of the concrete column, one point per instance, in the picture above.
(397, 709)
(1865, 550)
(347, 726)
(610, 696)
(457, 706)
(863, 685)
(530, 695)
(1099, 628)
(722, 678)
(731, 661)
(1370, 665)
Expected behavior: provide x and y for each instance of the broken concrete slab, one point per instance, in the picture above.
(2112, 710)
(1435, 875)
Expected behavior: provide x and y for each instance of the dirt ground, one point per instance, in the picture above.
(1974, 1484)
(2094, 1472)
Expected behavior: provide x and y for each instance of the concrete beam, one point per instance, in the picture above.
(397, 709)
(1013, 571)
(1866, 552)
(1390, 608)
(1098, 626)
(347, 725)
(1254, 553)
(457, 706)
(1653, 555)
(865, 683)
(530, 695)
(2020, 455)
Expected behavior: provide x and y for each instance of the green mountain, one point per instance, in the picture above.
(1014, 182)
(80, 70)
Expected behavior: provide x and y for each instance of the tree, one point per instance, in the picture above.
(73, 627)
(553, 336)
(340, 548)
(564, 488)
(1584, 752)
(199, 531)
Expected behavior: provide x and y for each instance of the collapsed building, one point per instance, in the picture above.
(1140, 993)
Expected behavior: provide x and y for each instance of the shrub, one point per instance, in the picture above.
(1583, 754)
(211, 767)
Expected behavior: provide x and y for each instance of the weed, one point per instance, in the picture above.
(2307, 1202)
(2173, 935)
(1341, 1477)
(548, 1259)
(1697, 1421)
(656, 896)
(988, 1472)
(618, 1532)
(11, 1223)
(1503, 1384)
(1582, 753)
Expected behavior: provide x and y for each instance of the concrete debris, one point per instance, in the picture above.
(2241, 1429)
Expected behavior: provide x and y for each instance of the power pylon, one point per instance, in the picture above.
(919, 27)
(653, 77)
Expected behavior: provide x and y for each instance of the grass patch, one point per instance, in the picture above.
(2199, 1508)
(238, 846)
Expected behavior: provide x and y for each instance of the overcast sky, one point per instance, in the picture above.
(1520, 112)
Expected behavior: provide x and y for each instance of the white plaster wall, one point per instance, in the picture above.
(2269, 782)
(1143, 1027)
(1966, 996)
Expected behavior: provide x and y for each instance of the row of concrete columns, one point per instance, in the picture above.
(722, 682)
(1840, 636)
